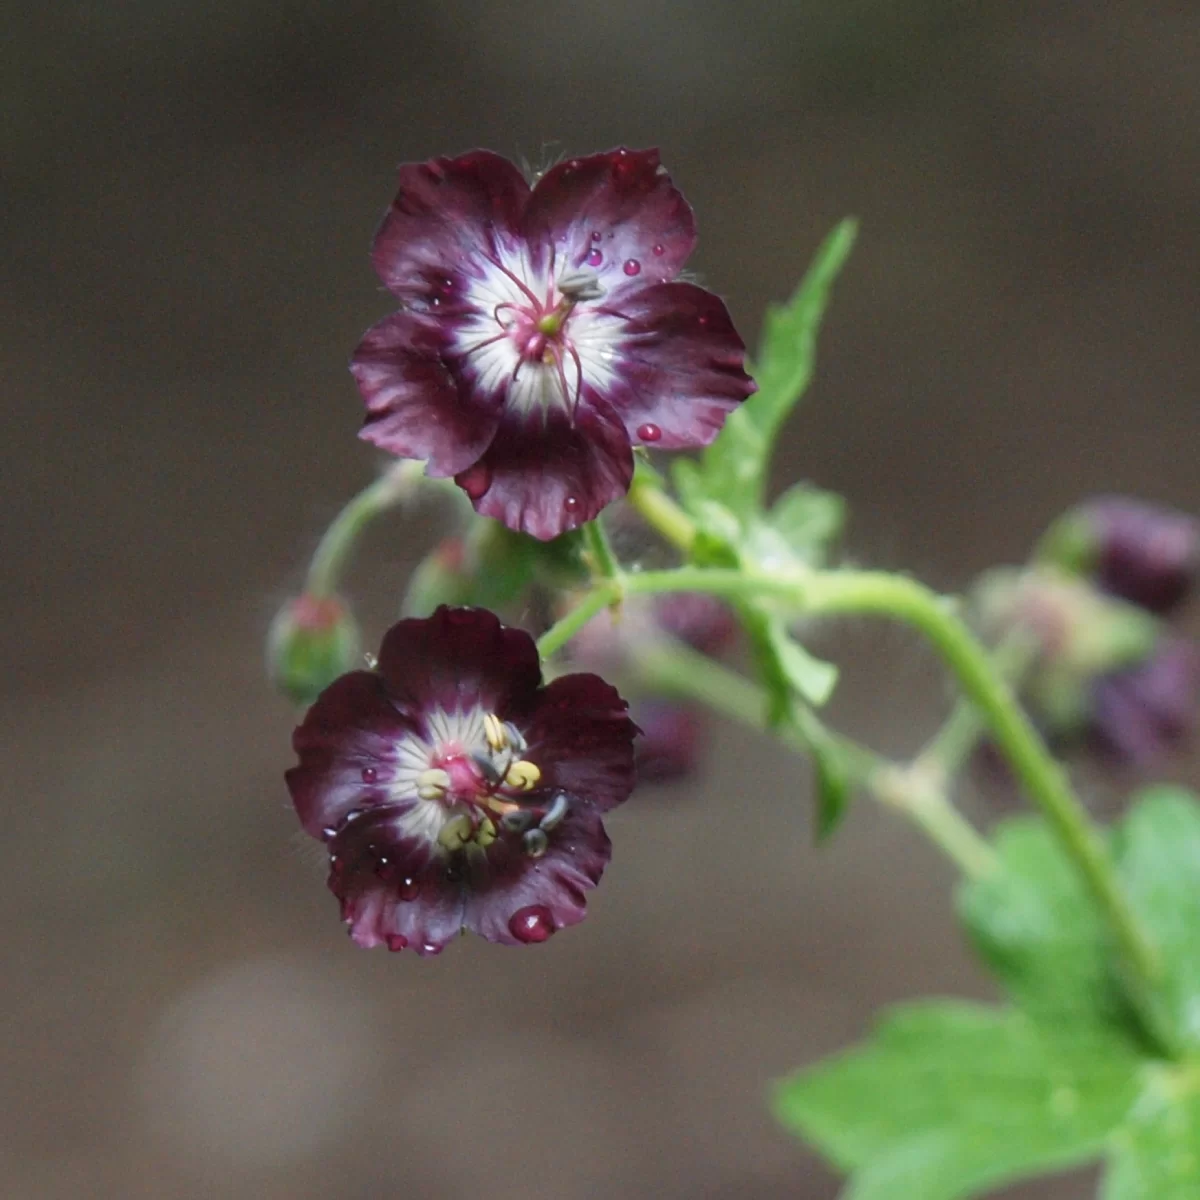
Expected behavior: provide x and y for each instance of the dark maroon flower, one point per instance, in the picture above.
(455, 792)
(544, 332)
(1144, 711)
(1140, 552)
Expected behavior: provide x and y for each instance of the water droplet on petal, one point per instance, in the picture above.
(396, 941)
(632, 266)
(702, 320)
(571, 504)
(409, 888)
(431, 948)
(594, 258)
(475, 480)
(660, 249)
(369, 774)
(532, 924)
(649, 432)
(596, 235)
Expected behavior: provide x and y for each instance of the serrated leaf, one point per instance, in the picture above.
(1033, 924)
(812, 678)
(946, 1098)
(1156, 1153)
(787, 355)
(808, 519)
(1158, 856)
(734, 468)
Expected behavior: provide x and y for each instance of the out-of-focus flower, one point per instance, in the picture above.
(544, 332)
(312, 640)
(455, 792)
(669, 744)
(1098, 667)
(1140, 552)
(1144, 711)
(671, 734)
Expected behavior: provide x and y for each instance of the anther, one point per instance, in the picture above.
(456, 832)
(494, 731)
(522, 775)
(580, 284)
(555, 813)
(535, 843)
(432, 784)
(517, 820)
(485, 835)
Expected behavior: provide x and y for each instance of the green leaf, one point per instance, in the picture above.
(808, 519)
(787, 667)
(734, 468)
(787, 355)
(1034, 925)
(947, 1098)
(1158, 856)
(833, 779)
(1156, 1154)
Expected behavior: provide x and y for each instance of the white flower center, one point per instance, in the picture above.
(537, 338)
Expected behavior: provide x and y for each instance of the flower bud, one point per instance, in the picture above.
(668, 747)
(312, 641)
(1144, 711)
(441, 578)
(1140, 552)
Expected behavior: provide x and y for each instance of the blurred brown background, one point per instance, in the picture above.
(189, 194)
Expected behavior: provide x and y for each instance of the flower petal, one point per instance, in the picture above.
(679, 368)
(581, 737)
(459, 658)
(515, 899)
(617, 213)
(446, 210)
(394, 890)
(546, 473)
(347, 745)
(415, 408)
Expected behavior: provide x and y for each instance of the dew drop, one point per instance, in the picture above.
(329, 832)
(475, 480)
(571, 504)
(369, 774)
(632, 266)
(409, 888)
(702, 320)
(431, 948)
(649, 433)
(352, 815)
(532, 924)
(396, 941)
(660, 250)
(596, 235)
(594, 258)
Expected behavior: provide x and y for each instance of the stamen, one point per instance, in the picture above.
(581, 284)
(535, 843)
(522, 775)
(495, 732)
(433, 784)
(555, 813)
(485, 835)
(516, 820)
(456, 832)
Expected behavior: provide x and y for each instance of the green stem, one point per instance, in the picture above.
(563, 630)
(1045, 781)
(335, 545)
(947, 752)
(663, 514)
(677, 670)
(604, 561)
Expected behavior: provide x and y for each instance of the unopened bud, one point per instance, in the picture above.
(1140, 552)
(311, 642)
